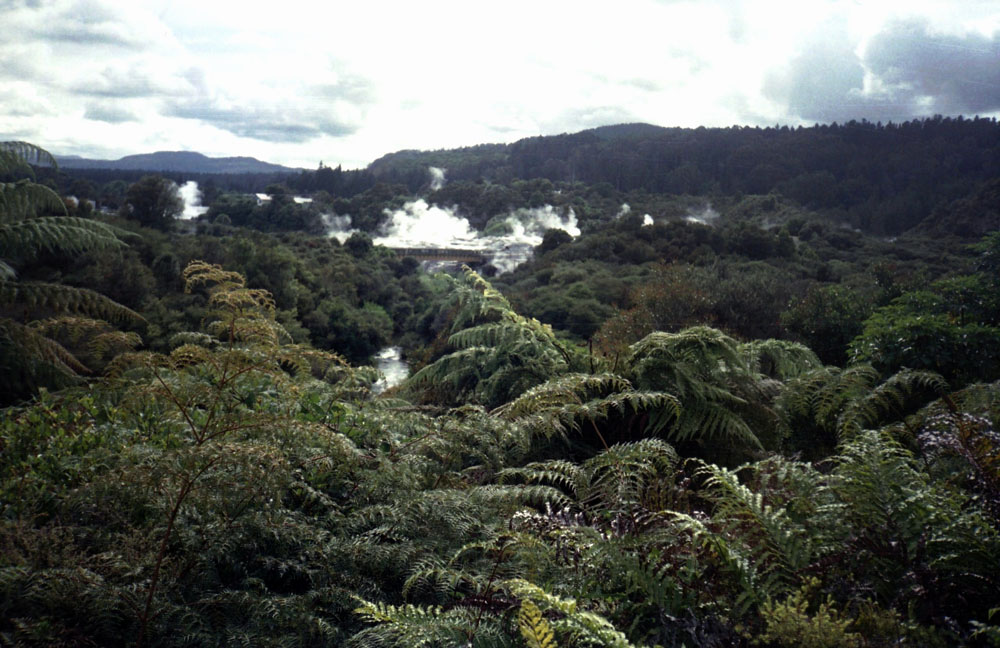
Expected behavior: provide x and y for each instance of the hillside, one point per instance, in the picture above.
(177, 161)
(880, 178)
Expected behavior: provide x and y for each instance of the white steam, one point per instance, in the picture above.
(437, 177)
(509, 242)
(191, 195)
(418, 224)
(647, 220)
(625, 209)
(704, 216)
(338, 227)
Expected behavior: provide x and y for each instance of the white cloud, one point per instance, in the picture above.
(302, 81)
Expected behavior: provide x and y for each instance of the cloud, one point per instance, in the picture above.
(946, 72)
(270, 123)
(86, 23)
(906, 70)
(119, 82)
(819, 81)
(111, 114)
(307, 111)
(576, 119)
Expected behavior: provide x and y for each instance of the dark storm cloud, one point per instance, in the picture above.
(960, 74)
(108, 113)
(914, 72)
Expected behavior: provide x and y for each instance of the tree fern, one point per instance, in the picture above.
(898, 524)
(822, 407)
(777, 546)
(779, 359)
(901, 393)
(496, 353)
(26, 228)
(14, 154)
(706, 372)
(563, 405)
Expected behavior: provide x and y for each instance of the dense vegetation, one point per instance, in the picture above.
(768, 430)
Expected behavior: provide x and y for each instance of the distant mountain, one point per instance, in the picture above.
(176, 161)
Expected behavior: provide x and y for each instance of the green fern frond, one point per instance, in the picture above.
(535, 631)
(584, 626)
(24, 199)
(13, 151)
(905, 390)
(563, 404)
(36, 348)
(777, 545)
(563, 474)
(28, 236)
(570, 388)
(781, 359)
(411, 625)
(37, 297)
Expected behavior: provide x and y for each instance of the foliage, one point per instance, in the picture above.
(673, 484)
(30, 356)
(724, 402)
(789, 623)
(951, 328)
(498, 353)
(154, 202)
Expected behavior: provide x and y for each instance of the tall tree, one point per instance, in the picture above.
(154, 201)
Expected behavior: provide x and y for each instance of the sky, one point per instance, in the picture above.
(299, 83)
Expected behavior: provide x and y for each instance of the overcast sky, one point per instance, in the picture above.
(297, 82)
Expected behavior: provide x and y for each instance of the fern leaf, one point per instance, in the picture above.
(11, 151)
(534, 629)
(50, 233)
(54, 298)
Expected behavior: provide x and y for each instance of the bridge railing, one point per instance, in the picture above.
(443, 254)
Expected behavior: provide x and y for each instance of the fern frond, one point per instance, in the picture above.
(36, 348)
(12, 151)
(23, 199)
(585, 626)
(55, 298)
(890, 400)
(411, 625)
(561, 405)
(534, 629)
(570, 388)
(781, 359)
(28, 236)
(776, 544)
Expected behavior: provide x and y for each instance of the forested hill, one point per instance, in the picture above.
(882, 178)
(177, 161)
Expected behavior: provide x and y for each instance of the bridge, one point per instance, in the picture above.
(472, 257)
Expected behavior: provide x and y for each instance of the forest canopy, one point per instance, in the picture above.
(724, 408)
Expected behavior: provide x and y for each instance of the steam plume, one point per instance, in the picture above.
(191, 196)
(437, 177)
(508, 242)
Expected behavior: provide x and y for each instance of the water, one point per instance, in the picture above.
(394, 369)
